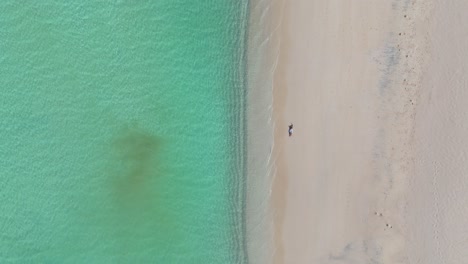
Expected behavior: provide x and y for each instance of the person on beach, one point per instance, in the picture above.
(290, 130)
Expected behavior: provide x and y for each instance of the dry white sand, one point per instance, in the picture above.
(437, 216)
(374, 172)
(329, 78)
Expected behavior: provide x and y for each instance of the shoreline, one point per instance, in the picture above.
(280, 182)
(262, 48)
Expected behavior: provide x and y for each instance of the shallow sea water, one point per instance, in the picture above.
(122, 130)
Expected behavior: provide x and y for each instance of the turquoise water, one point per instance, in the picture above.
(122, 129)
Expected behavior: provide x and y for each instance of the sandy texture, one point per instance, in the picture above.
(349, 78)
(437, 215)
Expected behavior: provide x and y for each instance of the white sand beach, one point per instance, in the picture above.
(374, 172)
(438, 196)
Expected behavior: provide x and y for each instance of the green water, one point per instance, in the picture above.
(121, 128)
